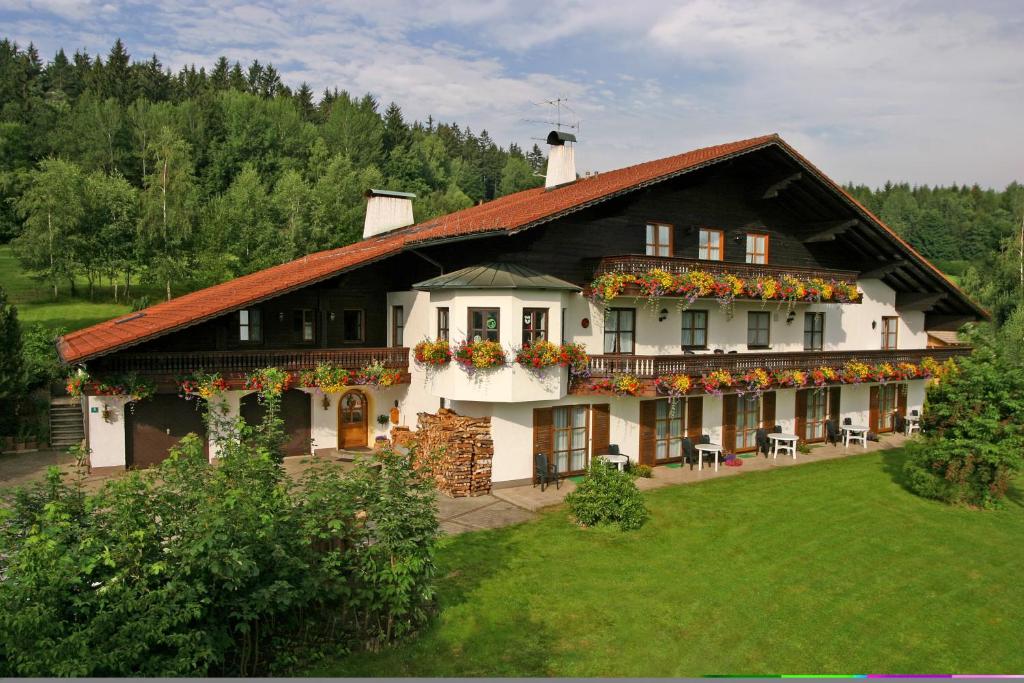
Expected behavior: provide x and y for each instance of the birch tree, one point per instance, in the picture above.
(168, 210)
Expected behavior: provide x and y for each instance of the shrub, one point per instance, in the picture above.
(973, 423)
(607, 496)
(641, 471)
(193, 570)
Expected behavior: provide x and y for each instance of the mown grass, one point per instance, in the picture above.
(830, 567)
(36, 304)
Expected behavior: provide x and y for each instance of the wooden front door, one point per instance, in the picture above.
(157, 425)
(352, 420)
(296, 413)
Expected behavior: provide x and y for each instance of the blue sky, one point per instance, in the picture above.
(925, 91)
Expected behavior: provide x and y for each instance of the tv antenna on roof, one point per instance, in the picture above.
(558, 104)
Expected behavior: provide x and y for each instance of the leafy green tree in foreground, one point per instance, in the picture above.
(12, 374)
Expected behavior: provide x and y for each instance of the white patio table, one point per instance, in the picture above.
(783, 442)
(855, 433)
(703, 448)
(619, 461)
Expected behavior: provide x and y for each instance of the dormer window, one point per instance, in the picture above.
(757, 248)
(711, 246)
(659, 239)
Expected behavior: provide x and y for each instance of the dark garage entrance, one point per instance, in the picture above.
(157, 425)
(296, 411)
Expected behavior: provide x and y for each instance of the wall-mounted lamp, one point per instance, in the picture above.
(791, 317)
(326, 402)
(874, 324)
(331, 316)
(280, 316)
(662, 315)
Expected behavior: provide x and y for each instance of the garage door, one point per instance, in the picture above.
(158, 424)
(296, 412)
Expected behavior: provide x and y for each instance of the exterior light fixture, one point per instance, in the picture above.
(874, 324)
(280, 316)
(326, 402)
(662, 315)
(331, 316)
(791, 317)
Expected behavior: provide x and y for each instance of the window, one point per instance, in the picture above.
(889, 332)
(817, 402)
(352, 325)
(758, 329)
(748, 418)
(619, 326)
(535, 325)
(659, 239)
(695, 330)
(398, 326)
(442, 323)
(250, 325)
(814, 331)
(483, 324)
(570, 437)
(711, 246)
(668, 430)
(303, 325)
(757, 248)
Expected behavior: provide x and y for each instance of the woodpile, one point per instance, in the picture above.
(458, 450)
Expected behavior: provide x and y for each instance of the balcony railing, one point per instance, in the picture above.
(175, 363)
(650, 367)
(637, 265)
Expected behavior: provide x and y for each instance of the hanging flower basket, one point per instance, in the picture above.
(433, 353)
(479, 355)
(716, 381)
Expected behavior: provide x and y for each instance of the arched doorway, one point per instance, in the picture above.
(352, 420)
(296, 411)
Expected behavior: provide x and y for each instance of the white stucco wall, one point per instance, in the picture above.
(106, 437)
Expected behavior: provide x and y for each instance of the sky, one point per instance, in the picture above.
(928, 91)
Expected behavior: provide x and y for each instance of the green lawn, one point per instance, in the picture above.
(824, 568)
(36, 304)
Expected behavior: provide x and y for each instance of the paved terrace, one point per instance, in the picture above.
(502, 507)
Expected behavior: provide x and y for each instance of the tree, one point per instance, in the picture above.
(517, 175)
(12, 372)
(106, 244)
(168, 206)
(51, 208)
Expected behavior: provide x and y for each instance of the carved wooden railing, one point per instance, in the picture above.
(649, 367)
(637, 265)
(171, 364)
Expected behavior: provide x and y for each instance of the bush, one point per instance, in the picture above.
(193, 570)
(974, 434)
(607, 496)
(39, 351)
(640, 471)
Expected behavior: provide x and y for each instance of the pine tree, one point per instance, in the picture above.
(12, 371)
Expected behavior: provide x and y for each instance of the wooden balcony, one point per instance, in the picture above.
(166, 366)
(637, 265)
(650, 367)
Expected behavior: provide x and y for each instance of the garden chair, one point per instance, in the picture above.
(545, 473)
(704, 438)
(831, 432)
(763, 443)
(689, 452)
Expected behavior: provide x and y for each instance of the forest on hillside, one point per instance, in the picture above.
(118, 171)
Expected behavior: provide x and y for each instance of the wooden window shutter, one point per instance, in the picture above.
(729, 423)
(543, 433)
(901, 399)
(648, 420)
(768, 410)
(801, 413)
(600, 420)
(694, 417)
(873, 409)
(834, 395)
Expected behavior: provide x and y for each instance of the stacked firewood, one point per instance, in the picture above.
(457, 449)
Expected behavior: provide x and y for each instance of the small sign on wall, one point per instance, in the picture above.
(94, 409)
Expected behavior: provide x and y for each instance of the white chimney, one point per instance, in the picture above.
(561, 159)
(387, 211)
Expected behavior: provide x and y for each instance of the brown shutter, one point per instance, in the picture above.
(600, 419)
(834, 395)
(648, 418)
(873, 409)
(729, 423)
(694, 417)
(801, 413)
(768, 410)
(543, 433)
(901, 399)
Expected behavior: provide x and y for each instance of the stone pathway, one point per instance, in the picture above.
(502, 507)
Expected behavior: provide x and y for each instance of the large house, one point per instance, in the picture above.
(714, 292)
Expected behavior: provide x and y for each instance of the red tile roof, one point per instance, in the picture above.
(510, 213)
